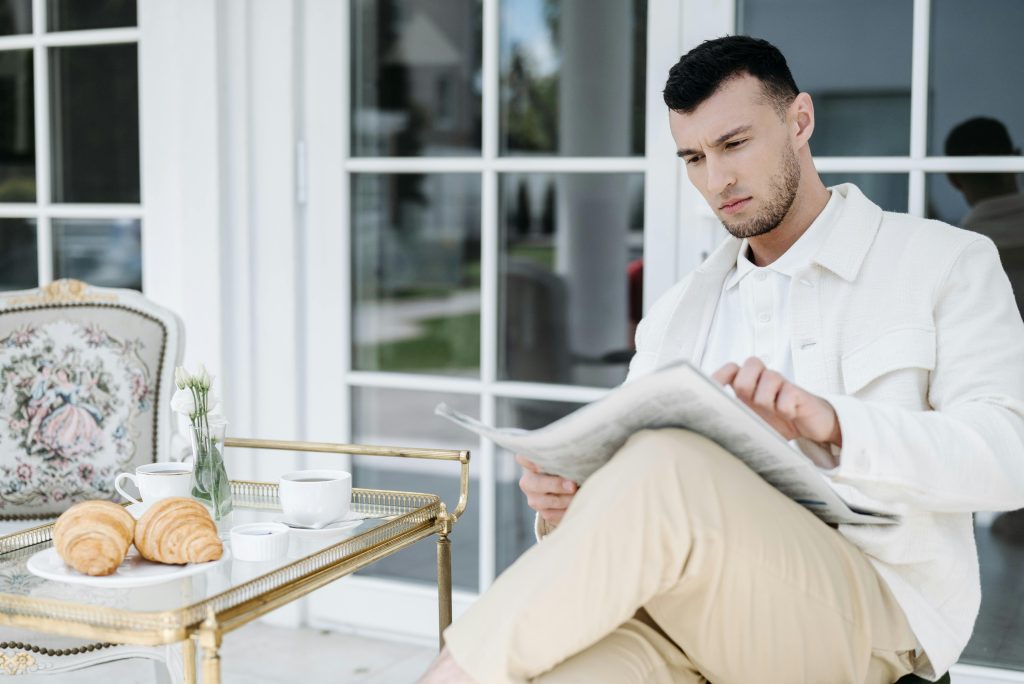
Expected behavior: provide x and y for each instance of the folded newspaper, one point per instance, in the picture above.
(676, 396)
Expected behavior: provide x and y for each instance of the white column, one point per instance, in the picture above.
(595, 107)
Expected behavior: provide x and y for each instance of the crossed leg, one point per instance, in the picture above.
(742, 585)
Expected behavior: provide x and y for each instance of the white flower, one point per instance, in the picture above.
(203, 378)
(181, 377)
(182, 402)
(212, 403)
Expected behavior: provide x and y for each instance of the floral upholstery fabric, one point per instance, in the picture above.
(78, 389)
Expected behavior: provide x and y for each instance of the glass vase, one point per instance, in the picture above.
(210, 484)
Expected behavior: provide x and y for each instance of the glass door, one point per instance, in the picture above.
(490, 238)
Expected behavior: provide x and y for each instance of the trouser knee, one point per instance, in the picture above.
(669, 453)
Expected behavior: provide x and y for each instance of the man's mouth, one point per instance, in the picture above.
(732, 206)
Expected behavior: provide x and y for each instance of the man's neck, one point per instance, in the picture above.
(807, 205)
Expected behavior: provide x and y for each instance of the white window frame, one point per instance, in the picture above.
(44, 210)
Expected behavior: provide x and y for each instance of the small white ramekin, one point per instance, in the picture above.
(259, 541)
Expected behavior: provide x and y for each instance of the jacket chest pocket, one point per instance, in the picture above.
(891, 351)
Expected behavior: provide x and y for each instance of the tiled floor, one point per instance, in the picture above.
(262, 654)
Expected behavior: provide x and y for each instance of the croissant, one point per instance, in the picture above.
(177, 530)
(93, 536)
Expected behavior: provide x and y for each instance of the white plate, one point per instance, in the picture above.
(135, 571)
(351, 520)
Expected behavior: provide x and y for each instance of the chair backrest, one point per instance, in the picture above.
(85, 385)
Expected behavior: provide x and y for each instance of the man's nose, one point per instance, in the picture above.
(720, 176)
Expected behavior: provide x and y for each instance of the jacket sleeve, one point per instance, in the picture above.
(967, 453)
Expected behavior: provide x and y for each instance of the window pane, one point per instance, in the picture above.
(998, 637)
(17, 127)
(78, 15)
(100, 252)
(573, 77)
(94, 105)
(416, 271)
(971, 74)
(18, 262)
(571, 276)
(514, 517)
(416, 77)
(861, 89)
(406, 418)
(888, 190)
(15, 17)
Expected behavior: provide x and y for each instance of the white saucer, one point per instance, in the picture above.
(351, 520)
(134, 571)
(137, 509)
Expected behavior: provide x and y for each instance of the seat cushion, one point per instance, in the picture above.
(77, 390)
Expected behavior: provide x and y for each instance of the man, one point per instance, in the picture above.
(886, 347)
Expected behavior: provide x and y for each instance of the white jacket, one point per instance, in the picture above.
(909, 328)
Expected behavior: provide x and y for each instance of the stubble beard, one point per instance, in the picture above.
(783, 192)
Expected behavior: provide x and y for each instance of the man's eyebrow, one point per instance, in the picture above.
(721, 139)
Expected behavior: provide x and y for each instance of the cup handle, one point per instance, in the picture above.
(117, 486)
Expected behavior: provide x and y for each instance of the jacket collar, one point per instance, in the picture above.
(842, 250)
(847, 244)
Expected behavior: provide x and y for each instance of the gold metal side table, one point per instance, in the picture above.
(202, 608)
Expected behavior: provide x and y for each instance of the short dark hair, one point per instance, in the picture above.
(703, 70)
(979, 136)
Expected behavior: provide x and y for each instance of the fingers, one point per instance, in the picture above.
(537, 484)
(549, 495)
(767, 389)
(744, 384)
(527, 463)
(788, 401)
(548, 502)
(725, 374)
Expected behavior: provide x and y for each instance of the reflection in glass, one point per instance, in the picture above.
(571, 276)
(416, 273)
(18, 262)
(94, 96)
(861, 90)
(416, 77)
(514, 517)
(15, 17)
(17, 127)
(79, 15)
(406, 418)
(100, 252)
(573, 76)
(975, 47)
(888, 190)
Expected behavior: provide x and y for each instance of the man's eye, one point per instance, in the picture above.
(735, 143)
(694, 160)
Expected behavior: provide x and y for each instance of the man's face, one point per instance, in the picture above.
(738, 154)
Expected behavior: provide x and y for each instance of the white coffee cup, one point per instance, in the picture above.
(315, 497)
(157, 481)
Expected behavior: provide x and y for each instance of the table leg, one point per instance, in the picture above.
(188, 660)
(444, 585)
(210, 640)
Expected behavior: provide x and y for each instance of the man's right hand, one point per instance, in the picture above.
(549, 495)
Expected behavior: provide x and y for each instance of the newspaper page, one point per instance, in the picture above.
(678, 396)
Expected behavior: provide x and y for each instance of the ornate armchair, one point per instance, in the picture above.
(85, 384)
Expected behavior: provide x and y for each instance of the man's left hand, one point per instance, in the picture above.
(793, 411)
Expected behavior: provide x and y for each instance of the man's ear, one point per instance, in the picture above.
(800, 117)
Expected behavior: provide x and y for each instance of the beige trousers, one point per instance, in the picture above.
(743, 585)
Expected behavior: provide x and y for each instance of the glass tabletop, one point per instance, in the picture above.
(393, 518)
